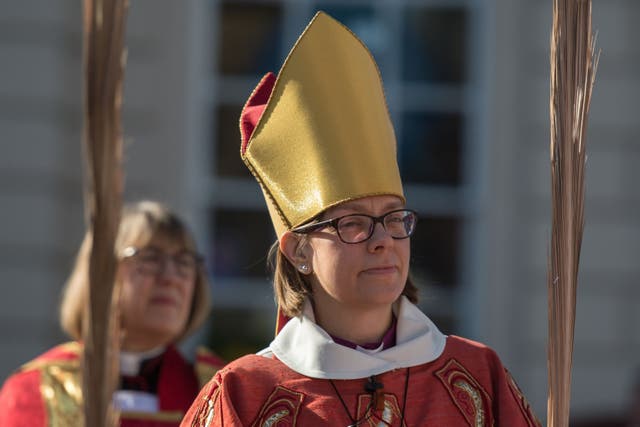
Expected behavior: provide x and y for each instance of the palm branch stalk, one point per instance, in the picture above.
(573, 67)
(104, 61)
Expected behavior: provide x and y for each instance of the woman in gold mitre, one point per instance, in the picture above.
(352, 348)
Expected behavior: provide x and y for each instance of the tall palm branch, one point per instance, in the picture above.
(573, 66)
(104, 61)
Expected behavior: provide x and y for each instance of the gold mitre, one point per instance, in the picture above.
(320, 134)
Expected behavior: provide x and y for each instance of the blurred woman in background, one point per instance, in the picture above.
(164, 296)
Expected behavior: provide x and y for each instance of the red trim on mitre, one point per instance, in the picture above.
(249, 118)
(253, 109)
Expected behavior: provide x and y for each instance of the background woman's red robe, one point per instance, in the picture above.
(47, 390)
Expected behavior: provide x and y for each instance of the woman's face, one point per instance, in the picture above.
(158, 283)
(371, 274)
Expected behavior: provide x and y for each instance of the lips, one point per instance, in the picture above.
(164, 300)
(383, 269)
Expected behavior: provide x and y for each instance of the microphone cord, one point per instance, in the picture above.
(372, 386)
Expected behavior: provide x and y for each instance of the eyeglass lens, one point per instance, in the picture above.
(154, 261)
(358, 228)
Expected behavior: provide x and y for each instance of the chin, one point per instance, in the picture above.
(165, 332)
(386, 298)
(387, 288)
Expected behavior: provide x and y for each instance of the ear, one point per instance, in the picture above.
(296, 252)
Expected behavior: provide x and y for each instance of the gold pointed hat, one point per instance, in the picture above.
(320, 133)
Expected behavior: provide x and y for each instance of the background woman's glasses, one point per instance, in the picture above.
(152, 260)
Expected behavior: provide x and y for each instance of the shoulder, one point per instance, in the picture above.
(257, 373)
(59, 364)
(465, 358)
(21, 401)
(469, 349)
(466, 343)
(67, 354)
(473, 371)
(256, 363)
(22, 381)
(238, 391)
(64, 354)
(248, 367)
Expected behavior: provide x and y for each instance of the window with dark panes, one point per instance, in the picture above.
(429, 151)
(249, 37)
(226, 144)
(433, 44)
(241, 239)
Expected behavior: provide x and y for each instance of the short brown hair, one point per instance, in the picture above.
(292, 288)
(140, 222)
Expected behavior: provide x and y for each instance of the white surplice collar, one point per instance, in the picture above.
(306, 348)
(131, 361)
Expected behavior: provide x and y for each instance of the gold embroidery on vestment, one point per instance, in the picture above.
(206, 412)
(62, 394)
(281, 405)
(475, 398)
(275, 418)
(209, 413)
(467, 394)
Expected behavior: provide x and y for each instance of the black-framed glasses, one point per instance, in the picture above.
(357, 228)
(153, 260)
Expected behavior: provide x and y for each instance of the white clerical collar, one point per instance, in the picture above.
(370, 350)
(130, 361)
(306, 348)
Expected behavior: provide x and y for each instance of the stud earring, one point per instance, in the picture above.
(304, 268)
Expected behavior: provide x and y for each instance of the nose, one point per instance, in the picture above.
(169, 269)
(380, 237)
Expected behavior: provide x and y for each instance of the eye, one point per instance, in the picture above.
(185, 259)
(149, 256)
(396, 217)
(354, 222)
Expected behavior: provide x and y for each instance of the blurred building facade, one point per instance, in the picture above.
(467, 85)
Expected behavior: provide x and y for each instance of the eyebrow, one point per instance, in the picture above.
(359, 207)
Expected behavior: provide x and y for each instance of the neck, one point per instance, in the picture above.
(360, 326)
(142, 344)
